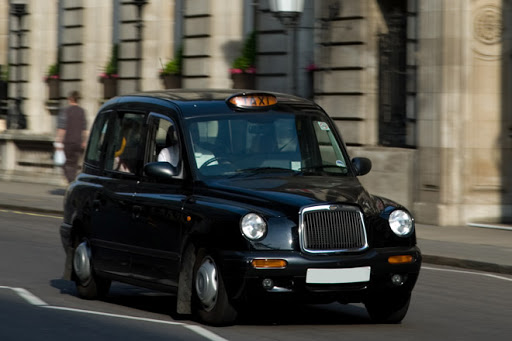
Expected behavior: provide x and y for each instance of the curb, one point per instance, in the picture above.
(30, 209)
(468, 264)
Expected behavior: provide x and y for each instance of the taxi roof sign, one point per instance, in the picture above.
(253, 101)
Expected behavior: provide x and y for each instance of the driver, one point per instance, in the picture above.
(201, 155)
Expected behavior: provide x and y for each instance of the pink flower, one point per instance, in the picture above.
(47, 77)
(104, 75)
(311, 67)
(250, 69)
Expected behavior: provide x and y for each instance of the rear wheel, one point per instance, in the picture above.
(386, 308)
(88, 284)
(211, 303)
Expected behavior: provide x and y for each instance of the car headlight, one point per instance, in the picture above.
(401, 223)
(253, 226)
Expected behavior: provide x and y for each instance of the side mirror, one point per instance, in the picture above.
(362, 165)
(160, 170)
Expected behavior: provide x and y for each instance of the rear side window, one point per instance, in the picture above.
(125, 150)
(97, 139)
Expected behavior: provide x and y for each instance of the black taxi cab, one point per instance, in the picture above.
(224, 198)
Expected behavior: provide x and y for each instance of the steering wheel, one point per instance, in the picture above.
(219, 159)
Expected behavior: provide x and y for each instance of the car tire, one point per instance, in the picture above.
(88, 284)
(390, 309)
(210, 300)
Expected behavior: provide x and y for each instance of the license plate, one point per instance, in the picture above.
(337, 276)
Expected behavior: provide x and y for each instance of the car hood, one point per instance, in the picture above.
(287, 194)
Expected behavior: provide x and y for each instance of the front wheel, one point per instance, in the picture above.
(211, 303)
(88, 284)
(390, 309)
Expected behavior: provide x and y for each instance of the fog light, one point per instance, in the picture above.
(397, 280)
(268, 284)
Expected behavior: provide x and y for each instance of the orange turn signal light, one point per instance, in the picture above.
(402, 259)
(269, 263)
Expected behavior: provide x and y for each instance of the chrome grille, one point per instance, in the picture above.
(332, 228)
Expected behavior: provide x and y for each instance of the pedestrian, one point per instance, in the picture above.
(72, 134)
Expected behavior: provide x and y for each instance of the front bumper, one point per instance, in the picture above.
(67, 244)
(243, 281)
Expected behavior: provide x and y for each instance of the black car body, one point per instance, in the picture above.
(259, 203)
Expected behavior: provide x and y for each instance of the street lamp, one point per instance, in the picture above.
(18, 121)
(140, 4)
(289, 12)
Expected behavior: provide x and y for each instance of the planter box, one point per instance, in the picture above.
(172, 81)
(109, 87)
(4, 96)
(244, 81)
(53, 88)
(3, 90)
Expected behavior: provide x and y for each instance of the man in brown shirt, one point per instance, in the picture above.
(72, 134)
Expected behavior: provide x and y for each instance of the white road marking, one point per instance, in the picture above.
(469, 273)
(491, 226)
(29, 297)
(34, 300)
(126, 317)
(31, 214)
(204, 333)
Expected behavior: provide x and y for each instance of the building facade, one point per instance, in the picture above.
(419, 86)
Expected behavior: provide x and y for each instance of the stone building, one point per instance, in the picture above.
(419, 86)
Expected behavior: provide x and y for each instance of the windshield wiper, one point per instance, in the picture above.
(262, 170)
(320, 168)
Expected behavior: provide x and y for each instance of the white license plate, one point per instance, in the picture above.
(337, 276)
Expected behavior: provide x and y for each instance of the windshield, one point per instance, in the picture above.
(256, 143)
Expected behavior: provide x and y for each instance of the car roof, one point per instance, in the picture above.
(189, 98)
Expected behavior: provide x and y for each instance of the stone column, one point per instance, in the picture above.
(43, 53)
(487, 155)
(461, 112)
(213, 38)
(93, 52)
(346, 82)
(442, 110)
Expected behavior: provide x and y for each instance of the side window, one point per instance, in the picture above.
(97, 139)
(125, 150)
(165, 145)
(330, 151)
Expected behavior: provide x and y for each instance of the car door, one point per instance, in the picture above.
(114, 207)
(159, 223)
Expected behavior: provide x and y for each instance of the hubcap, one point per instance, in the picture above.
(207, 284)
(82, 262)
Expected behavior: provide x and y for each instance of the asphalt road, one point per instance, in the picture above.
(35, 304)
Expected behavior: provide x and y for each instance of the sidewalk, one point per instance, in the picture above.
(476, 248)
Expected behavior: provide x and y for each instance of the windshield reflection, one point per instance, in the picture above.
(250, 144)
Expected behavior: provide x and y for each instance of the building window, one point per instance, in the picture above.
(397, 76)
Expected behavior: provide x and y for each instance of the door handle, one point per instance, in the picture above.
(136, 211)
(96, 203)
